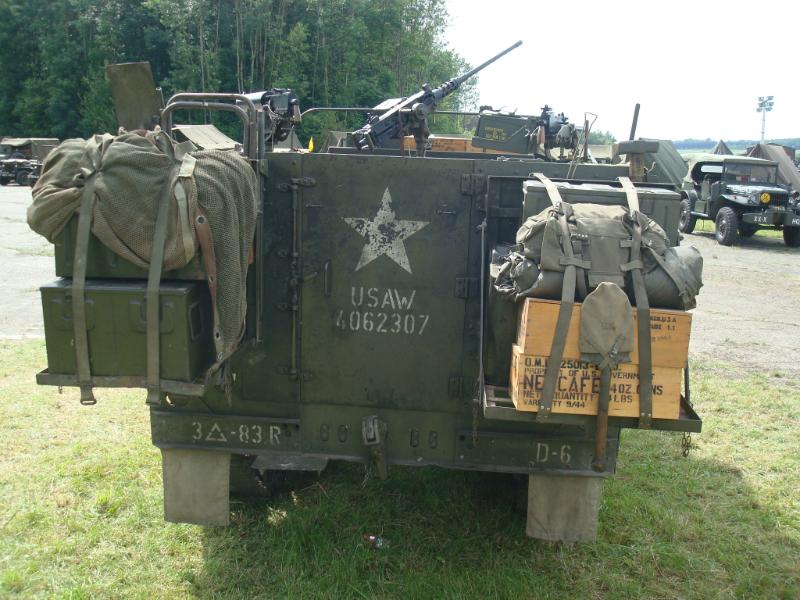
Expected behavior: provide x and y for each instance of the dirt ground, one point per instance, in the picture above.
(27, 263)
(748, 312)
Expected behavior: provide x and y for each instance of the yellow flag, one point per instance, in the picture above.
(311, 145)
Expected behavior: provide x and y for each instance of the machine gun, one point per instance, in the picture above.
(282, 110)
(399, 115)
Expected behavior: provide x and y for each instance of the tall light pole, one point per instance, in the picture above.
(765, 104)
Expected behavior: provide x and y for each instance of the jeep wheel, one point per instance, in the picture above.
(727, 225)
(22, 177)
(688, 220)
(747, 230)
(791, 236)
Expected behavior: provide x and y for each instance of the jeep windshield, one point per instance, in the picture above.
(748, 174)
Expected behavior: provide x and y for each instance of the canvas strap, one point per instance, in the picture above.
(642, 308)
(152, 294)
(82, 363)
(678, 278)
(562, 209)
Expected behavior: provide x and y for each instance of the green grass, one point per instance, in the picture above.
(81, 513)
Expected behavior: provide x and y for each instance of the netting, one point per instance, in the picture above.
(131, 173)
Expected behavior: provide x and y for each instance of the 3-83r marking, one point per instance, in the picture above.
(245, 434)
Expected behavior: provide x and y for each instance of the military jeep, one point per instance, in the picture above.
(741, 195)
(23, 159)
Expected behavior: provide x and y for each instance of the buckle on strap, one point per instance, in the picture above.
(574, 261)
(630, 266)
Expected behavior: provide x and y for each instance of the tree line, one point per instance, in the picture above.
(697, 144)
(331, 52)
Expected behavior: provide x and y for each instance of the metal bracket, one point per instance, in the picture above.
(297, 182)
(373, 434)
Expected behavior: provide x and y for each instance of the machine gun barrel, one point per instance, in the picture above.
(391, 123)
(452, 85)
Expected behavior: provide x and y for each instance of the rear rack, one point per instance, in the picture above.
(497, 405)
(179, 388)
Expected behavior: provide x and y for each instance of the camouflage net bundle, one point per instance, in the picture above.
(131, 174)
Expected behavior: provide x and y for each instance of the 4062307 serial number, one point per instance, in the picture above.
(381, 322)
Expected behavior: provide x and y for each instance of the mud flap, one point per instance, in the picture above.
(563, 508)
(196, 486)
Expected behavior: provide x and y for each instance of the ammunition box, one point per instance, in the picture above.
(116, 325)
(506, 133)
(657, 203)
(578, 387)
(102, 263)
(669, 333)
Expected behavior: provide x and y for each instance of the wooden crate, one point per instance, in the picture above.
(669, 333)
(448, 144)
(578, 387)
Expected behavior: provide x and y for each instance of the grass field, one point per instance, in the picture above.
(81, 513)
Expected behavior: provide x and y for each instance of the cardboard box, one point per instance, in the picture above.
(578, 387)
(669, 333)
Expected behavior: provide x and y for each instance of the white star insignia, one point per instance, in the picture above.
(385, 234)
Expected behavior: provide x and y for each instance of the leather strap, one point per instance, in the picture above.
(642, 310)
(82, 363)
(206, 241)
(152, 295)
(545, 407)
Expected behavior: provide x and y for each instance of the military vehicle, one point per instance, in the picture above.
(22, 160)
(741, 195)
(370, 333)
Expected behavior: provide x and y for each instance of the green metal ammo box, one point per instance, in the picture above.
(103, 263)
(506, 133)
(657, 203)
(116, 324)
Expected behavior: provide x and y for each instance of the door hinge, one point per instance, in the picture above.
(466, 287)
(473, 183)
(455, 386)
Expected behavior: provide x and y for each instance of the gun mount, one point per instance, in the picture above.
(282, 111)
(524, 134)
(410, 114)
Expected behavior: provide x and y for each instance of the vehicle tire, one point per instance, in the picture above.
(22, 177)
(791, 236)
(687, 220)
(747, 230)
(727, 226)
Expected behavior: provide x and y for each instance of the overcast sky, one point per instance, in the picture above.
(697, 68)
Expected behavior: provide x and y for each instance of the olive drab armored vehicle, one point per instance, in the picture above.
(741, 195)
(283, 309)
(21, 159)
